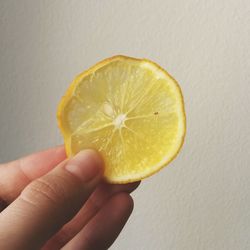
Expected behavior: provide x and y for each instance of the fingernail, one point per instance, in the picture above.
(86, 165)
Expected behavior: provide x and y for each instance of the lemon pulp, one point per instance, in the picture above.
(130, 110)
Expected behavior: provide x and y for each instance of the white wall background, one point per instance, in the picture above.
(203, 200)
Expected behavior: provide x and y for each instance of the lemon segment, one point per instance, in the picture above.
(130, 110)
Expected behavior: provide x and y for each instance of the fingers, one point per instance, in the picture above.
(96, 201)
(49, 202)
(3, 204)
(16, 175)
(105, 227)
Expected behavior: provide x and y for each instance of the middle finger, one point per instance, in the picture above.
(103, 192)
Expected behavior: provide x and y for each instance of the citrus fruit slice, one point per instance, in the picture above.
(128, 109)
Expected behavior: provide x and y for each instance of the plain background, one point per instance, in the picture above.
(202, 200)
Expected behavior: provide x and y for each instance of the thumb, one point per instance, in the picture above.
(49, 202)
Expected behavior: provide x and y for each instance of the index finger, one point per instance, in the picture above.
(16, 175)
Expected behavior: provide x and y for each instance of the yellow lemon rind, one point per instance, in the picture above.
(70, 91)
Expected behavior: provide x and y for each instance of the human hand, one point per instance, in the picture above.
(50, 202)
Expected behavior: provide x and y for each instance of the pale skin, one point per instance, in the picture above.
(49, 202)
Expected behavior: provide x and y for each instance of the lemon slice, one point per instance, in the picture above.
(128, 109)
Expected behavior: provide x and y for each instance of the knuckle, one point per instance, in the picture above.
(45, 189)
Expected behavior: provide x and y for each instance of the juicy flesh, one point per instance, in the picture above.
(127, 113)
